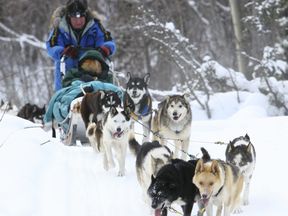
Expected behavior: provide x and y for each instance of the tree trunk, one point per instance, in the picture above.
(235, 13)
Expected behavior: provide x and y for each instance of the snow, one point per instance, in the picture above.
(41, 177)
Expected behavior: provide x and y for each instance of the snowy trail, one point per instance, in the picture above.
(53, 179)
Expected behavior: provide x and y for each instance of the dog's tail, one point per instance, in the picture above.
(205, 155)
(134, 146)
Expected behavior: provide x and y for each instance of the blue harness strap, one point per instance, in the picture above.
(145, 111)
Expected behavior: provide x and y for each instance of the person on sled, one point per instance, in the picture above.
(75, 29)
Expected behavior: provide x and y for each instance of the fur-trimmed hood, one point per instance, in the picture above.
(60, 13)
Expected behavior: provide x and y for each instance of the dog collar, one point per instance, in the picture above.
(219, 191)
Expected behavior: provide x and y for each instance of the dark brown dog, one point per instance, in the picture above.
(31, 112)
(94, 104)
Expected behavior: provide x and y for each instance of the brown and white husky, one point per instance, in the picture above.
(220, 184)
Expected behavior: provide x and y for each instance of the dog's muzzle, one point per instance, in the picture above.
(118, 133)
(204, 200)
(176, 116)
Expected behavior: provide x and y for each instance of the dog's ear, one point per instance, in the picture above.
(215, 167)
(128, 76)
(127, 113)
(153, 164)
(34, 108)
(113, 111)
(153, 179)
(147, 78)
(186, 96)
(199, 166)
(128, 110)
(249, 148)
(230, 146)
(247, 137)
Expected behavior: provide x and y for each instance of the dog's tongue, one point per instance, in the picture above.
(118, 134)
(204, 202)
(157, 212)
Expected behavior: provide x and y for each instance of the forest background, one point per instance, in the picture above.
(179, 42)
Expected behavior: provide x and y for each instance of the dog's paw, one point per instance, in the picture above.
(121, 174)
(245, 202)
(106, 167)
(237, 210)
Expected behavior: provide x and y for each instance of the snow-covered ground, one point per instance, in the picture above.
(39, 176)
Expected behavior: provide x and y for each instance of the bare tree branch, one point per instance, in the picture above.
(21, 38)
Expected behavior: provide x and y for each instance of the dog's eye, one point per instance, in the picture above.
(241, 163)
(211, 183)
(138, 84)
(180, 106)
(172, 105)
(201, 183)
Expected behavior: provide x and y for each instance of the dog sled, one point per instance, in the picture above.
(64, 107)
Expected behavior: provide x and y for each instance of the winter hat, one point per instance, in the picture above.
(76, 8)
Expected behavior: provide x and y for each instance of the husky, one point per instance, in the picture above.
(241, 153)
(173, 121)
(32, 112)
(151, 156)
(94, 105)
(139, 101)
(113, 135)
(219, 184)
(173, 184)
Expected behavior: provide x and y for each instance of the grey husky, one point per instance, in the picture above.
(172, 122)
(241, 153)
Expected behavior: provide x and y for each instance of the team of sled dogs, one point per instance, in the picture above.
(164, 176)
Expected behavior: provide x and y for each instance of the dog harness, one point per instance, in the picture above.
(144, 112)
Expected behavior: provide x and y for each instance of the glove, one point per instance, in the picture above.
(70, 51)
(104, 51)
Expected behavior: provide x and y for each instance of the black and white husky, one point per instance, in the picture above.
(241, 153)
(173, 185)
(113, 136)
(151, 156)
(94, 104)
(138, 99)
(172, 122)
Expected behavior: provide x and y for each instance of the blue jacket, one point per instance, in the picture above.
(93, 36)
